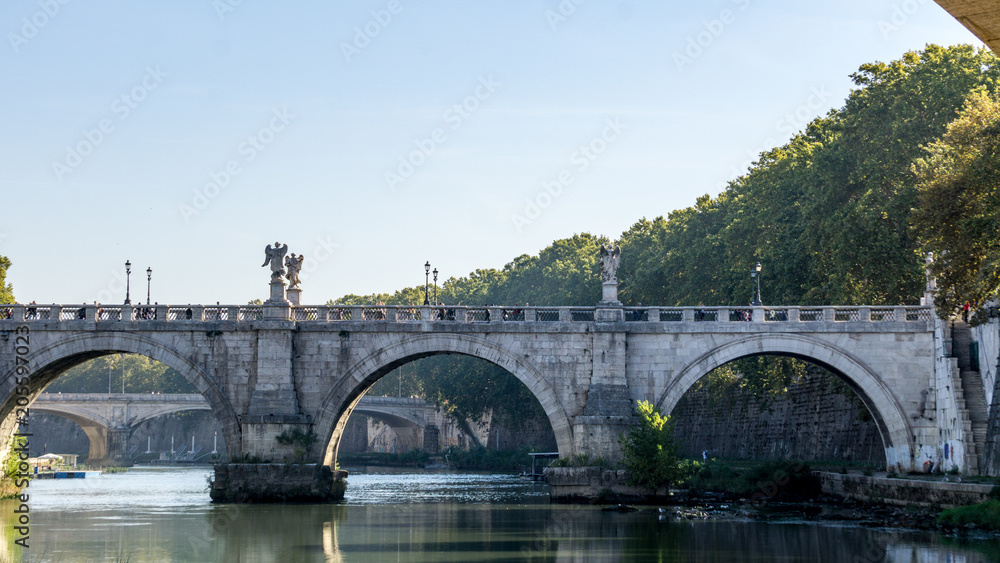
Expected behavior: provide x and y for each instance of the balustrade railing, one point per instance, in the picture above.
(463, 314)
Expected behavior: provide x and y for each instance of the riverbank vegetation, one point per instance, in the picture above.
(110, 374)
(414, 458)
(983, 516)
(485, 459)
(9, 484)
(473, 459)
(649, 451)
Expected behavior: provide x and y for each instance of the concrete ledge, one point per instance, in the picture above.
(902, 491)
(277, 482)
(596, 485)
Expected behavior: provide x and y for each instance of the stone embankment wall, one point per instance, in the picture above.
(817, 419)
(988, 338)
(597, 485)
(903, 492)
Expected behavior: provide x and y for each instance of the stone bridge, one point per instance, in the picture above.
(109, 419)
(271, 369)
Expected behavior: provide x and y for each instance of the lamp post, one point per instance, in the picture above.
(755, 276)
(128, 273)
(149, 278)
(427, 273)
(435, 286)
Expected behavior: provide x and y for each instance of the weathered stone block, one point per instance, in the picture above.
(273, 482)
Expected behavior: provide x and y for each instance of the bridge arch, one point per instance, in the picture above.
(392, 419)
(897, 436)
(51, 361)
(341, 400)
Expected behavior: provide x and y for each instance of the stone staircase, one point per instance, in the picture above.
(972, 395)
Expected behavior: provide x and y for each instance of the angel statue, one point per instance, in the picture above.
(294, 265)
(611, 257)
(273, 256)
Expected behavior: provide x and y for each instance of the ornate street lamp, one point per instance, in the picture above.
(128, 273)
(435, 286)
(427, 273)
(755, 276)
(149, 278)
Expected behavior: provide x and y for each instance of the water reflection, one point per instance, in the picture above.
(426, 517)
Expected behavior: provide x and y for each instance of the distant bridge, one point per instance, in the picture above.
(109, 419)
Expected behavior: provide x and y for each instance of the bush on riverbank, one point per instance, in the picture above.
(772, 480)
(8, 483)
(649, 452)
(985, 516)
(482, 459)
(414, 458)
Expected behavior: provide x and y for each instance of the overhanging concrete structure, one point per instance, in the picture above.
(981, 17)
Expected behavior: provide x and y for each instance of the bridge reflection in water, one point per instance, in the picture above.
(429, 516)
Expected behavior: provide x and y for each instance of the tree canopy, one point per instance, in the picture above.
(6, 290)
(958, 216)
(837, 215)
(140, 373)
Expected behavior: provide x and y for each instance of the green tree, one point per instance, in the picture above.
(6, 290)
(958, 217)
(141, 375)
(648, 450)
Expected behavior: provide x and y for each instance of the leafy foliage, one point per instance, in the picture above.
(6, 290)
(958, 217)
(985, 516)
(9, 480)
(648, 450)
(485, 459)
(141, 375)
(773, 480)
(300, 441)
(830, 216)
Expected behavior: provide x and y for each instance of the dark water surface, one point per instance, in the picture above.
(164, 515)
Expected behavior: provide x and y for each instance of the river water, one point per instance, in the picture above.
(164, 515)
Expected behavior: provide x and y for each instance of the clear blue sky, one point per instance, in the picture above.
(317, 108)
